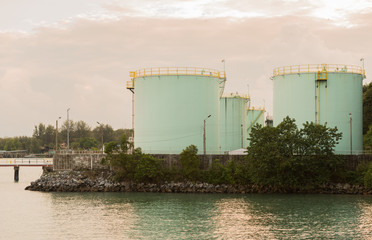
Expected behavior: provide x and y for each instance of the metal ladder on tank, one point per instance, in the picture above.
(321, 76)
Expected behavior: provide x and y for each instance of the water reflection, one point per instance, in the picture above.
(35, 215)
(174, 216)
(203, 216)
(237, 218)
(365, 220)
(93, 215)
(294, 217)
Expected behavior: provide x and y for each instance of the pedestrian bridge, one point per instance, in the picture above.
(26, 162)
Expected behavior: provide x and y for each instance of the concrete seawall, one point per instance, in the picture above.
(85, 160)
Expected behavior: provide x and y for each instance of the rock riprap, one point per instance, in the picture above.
(102, 181)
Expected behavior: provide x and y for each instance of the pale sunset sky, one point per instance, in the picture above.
(77, 54)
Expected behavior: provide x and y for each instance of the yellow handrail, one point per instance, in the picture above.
(310, 68)
(130, 84)
(193, 71)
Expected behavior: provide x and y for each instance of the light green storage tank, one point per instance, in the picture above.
(322, 93)
(254, 116)
(233, 122)
(170, 106)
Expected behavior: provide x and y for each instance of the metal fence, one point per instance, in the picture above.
(313, 68)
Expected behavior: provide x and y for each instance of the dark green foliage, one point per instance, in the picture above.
(285, 157)
(148, 169)
(132, 166)
(81, 137)
(220, 174)
(172, 174)
(32, 145)
(367, 178)
(124, 164)
(367, 107)
(240, 172)
(190, 162)
(367, 139)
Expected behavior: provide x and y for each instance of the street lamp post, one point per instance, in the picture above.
(204, 137)
(68, 130)
(101, 134)
(241, 133)
(57, 134)
(351, 135)
(362, 60)
(224, 67)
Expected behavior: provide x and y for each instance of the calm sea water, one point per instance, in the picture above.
(36, 215)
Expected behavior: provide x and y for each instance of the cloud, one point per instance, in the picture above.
(85, 64)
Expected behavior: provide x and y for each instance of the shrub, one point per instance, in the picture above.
(148, 169)
(220, 174)
(190, 163)
(289, 158)
(240, 172)
(368, 176)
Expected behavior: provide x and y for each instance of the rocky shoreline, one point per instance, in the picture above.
(101, 181)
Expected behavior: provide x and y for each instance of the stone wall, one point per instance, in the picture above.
(92, 160)
(173, 160)
(78, 161)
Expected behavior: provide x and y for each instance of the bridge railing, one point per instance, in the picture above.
(65, 152)
(26, 161)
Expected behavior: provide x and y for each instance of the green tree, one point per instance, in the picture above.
(286, 157)
(118, 157)
(88, 143)
(45, 135)
(81, 130)
(108, 133)
(367, 176)
(190, 162)
(120, 132)
(367, 107)
(367, 139)
(148, 169)
(39, 131)
(220, 174)
(49, 137)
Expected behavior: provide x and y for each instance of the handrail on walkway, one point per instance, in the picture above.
(194, 71)
(314, 68)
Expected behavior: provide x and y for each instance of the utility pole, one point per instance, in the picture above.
(241, 129)
(224, 67)
(204, 137)
(68, 130)
(351, 135)
(101, 125)
(57, 134)
(364, 73)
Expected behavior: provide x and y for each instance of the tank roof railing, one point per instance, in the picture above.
(256, 109)
(235, 95)
(193, 71)
(313, 68)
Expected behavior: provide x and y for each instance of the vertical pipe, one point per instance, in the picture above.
(204, 140)
(241, 130)
(133, 119)
(68, 130)
(319, 102)
(56, 135)
(351, 135)
(316, 107)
